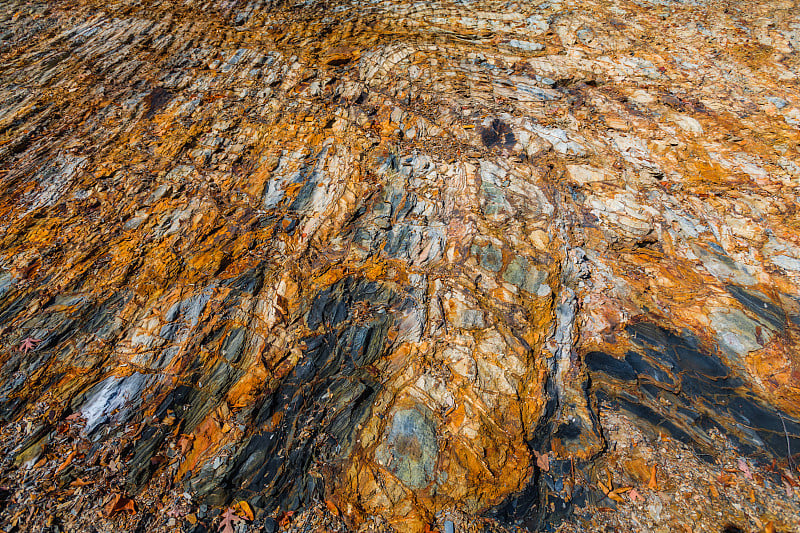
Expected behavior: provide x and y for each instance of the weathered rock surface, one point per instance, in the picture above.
(400, 265)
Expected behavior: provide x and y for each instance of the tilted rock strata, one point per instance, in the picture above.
(375, 254)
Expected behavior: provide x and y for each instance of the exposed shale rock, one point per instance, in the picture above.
(371, 265)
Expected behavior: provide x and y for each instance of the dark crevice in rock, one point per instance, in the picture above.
(681, 389)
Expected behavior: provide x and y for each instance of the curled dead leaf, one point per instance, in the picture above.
(243, 509)
(616, 494)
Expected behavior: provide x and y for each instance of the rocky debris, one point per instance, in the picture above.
(455, 266)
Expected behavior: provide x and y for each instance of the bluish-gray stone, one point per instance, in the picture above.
(232, 347)
(739, 334)
(520, 274)
(488, 256)
(409, 448)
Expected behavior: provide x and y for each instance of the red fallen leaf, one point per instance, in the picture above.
(542, 460)
(29, 343)
(745, 468)
(634, 495)
(119, 504)
(228, 520)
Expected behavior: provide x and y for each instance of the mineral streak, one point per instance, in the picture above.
(448, 264)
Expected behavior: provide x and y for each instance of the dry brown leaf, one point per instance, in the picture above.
(616, 497)
(185, 443)
(285, 518)
(542, 460)
(652, 484)
(616, 494)
(119, 504)
(332, 507)
(725, 479)
(637, 468)
(66, 462)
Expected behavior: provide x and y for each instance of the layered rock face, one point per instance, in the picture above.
(486, 263)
